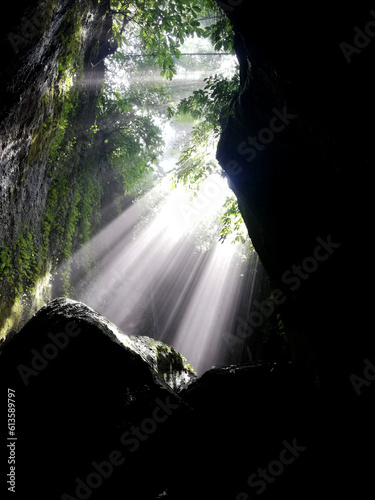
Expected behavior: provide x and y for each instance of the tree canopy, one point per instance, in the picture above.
(164, 25)
(150, 36)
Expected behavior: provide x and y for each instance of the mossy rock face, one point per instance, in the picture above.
(168, 363)
(168, 359)
(52, 196)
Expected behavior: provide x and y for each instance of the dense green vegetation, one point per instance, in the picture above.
(131, 141)
(164, 26)
(208, 107)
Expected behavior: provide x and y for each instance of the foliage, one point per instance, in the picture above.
(164, 26)
(220, 32)
(232, 223)
(211, 106)
(212, 103)
(221, 35)
(133, 151)
(158, 29)
(197, 160)
(132, 142)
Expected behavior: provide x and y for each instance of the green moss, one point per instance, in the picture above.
(51, 6)
(58, 113)
(20, 267)
(60, 102)
(40, 142)
(69, 61)
(72, 212)
(10, 316)
(72, 207)
(19, 308)
(168, 359)
(68, 108)
(5, 262)
(89, 207)
(27, 262)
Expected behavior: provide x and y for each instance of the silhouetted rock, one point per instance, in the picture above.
(297, 149)
(96, 419)
(86, 394)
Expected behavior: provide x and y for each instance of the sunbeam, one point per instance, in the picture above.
(163, 273)
(199, 335)
(159, 269)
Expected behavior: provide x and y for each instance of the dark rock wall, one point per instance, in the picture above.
(51, 80)
(31, 73)
(306, 107)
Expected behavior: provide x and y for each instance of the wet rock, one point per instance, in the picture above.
(169, 364)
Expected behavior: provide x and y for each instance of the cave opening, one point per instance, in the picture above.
(134, 216)
(166, 266)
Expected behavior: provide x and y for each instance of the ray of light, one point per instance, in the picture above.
(199, 335)
(162, 274)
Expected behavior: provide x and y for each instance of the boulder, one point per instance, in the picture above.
(96, 415)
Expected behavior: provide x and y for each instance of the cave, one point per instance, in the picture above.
(89, 411)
